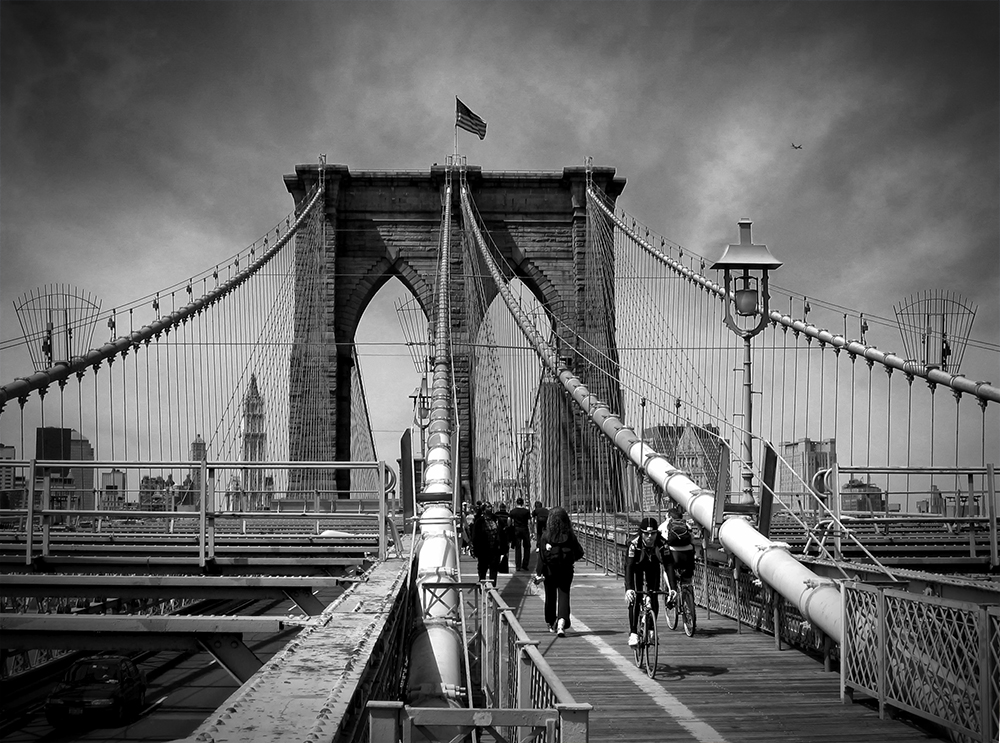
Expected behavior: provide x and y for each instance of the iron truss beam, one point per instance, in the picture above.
(297, 588)
(302, 566)
(222, 637)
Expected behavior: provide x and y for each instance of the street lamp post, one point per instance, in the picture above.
(745, 267)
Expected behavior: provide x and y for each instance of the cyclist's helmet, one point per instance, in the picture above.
(648, 525)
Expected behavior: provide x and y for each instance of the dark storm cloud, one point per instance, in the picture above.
(144, 141)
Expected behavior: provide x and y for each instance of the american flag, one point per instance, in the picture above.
(466, 119)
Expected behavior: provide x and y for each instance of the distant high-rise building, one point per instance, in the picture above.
(254, 442)
(190, 490)
(8, 497)
(71, 487)
(805, 458)
(155, 494)
(6, 473)
(114, 490)
(83, 477)
(199, 449)
(857, 495)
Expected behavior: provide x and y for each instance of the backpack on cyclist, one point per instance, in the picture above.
(678, 534)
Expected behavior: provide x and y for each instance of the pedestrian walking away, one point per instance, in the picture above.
(486, 544)
(503, 524)
(520, 534)
(558, 549)
(541, 516)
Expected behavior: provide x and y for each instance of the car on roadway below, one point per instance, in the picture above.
(105, 686)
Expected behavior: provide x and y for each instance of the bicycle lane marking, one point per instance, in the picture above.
(680, 712)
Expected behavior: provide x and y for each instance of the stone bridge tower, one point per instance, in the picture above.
(383, 224)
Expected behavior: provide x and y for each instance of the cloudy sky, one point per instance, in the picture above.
(141, 142)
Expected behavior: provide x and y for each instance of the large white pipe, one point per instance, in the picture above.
(437, 661)
(817, 598)
(437, 562)
(435, 668)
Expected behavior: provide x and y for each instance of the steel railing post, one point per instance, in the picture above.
(845, 643)
(574, 722)
(29, 545)
(834, 490)
(383, 516)
(985, 674)
(208, 490)
(46, 505)
(991, 488)
(523, 682)
(485, 633)
(880, 674)
(384, 719)
(202, 521)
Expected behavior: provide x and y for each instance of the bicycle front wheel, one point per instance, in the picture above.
(687, 607)
(652, 646)
(641, 631)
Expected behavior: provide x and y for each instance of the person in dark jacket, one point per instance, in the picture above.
(541, 515)
(503, 524)
(558, 549)
(645, 554)
(486, 543)
(521, 534)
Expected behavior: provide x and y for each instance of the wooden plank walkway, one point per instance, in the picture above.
(719, 686)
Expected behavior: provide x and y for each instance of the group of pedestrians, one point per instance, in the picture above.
(665, 548)
(491, 533)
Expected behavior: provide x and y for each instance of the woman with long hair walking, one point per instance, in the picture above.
(558, 549)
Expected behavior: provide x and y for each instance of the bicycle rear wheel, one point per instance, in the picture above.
(687, 608)
(671, 613)
(652, 645)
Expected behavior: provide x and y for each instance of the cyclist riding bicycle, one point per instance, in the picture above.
(646, 553)
(677, 533)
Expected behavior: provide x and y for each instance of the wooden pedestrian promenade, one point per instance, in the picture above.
(720, 686)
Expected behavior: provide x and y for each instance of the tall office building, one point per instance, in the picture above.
(114, 490)
(805, 457)
(8, 496)
(189, 492)
(254, 440)
(71, 487)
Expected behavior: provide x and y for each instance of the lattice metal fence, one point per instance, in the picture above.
(933, 657)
